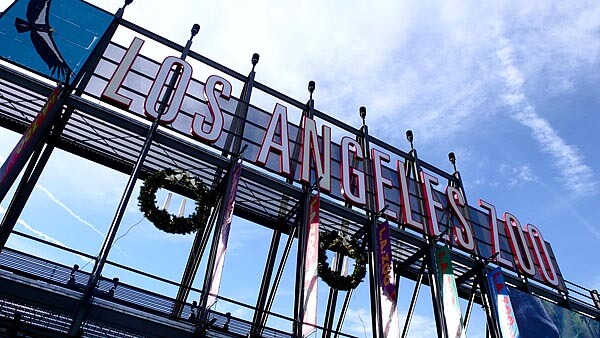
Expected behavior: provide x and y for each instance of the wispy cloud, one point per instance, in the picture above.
(58, 202)
(39, 233)
(577, 175)
(34, 231)
(572, 210)
(358, 322)
(519, 175)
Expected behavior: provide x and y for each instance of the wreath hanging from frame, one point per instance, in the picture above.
(332, 240)
(162, 219)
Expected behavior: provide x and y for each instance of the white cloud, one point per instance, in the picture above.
(517, 176)
(358, 322)
(577, 175)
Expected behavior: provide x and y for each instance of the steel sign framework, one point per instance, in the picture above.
(290, 149)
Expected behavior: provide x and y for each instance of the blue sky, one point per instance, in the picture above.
(511, 88)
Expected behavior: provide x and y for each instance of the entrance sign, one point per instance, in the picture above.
(206, 114)
(285, 145)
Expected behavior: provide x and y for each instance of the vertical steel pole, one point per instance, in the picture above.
(488, 304)
(376, 320)
(469, 306)
(42, 154)
(265, 282)
(210, 266)
(436, 295)
(413, 300)
(284, 256)
(201, 239)
(114, 227)
(302, 234)
(332, 300)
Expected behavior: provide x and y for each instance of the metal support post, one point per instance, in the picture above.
(332, 300)
(193, 263)
(436, 295)
(302, 235)
(38, 159)
(413, 300)
(284, 257)
(376, 320)
(470, 306)
(234, 139)
(345, 305)
(488, 305)
(86, 299)
(266, 282)
(22, 194)
(210, 266)
(302, 232)
(201, 239)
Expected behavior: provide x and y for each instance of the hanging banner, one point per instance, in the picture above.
(24, 148)
(502, 303)
(224, 238)
(387, 278)
(452, 313)
(52, 38)
(309, 321)
(540, 318)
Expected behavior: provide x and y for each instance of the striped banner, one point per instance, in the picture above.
(502, 304)
(452, 313)
(309, 320)
(224, 238)
(31, 137)
(387, 278)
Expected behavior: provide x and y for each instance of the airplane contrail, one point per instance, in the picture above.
(40, 234)
(73, 214)
(69, 210)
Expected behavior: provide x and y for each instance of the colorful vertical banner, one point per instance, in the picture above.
(24, 148)
(387, 278)
(452, 313)
(311, 259)
(51, 37)
(503, 305)
(224, 237)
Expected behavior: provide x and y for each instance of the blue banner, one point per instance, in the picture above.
(538, 318)
(53, 38)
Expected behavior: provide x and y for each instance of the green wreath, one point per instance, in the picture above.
(162, 219)
(332, 240)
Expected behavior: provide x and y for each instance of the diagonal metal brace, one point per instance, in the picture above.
(363, 230)
(414, 258)
(474, 271)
